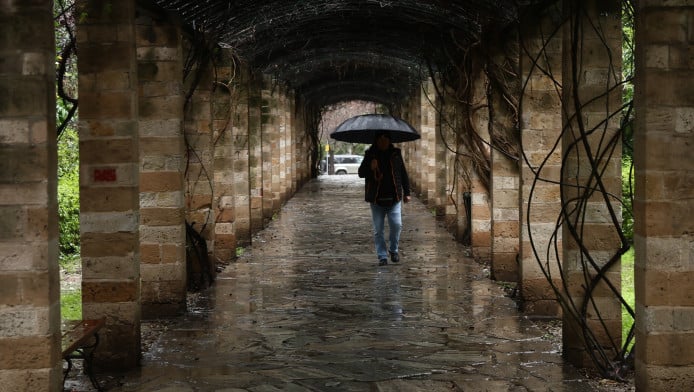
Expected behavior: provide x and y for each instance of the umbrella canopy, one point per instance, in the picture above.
(363, 129)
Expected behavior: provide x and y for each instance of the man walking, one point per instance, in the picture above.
(387, 186)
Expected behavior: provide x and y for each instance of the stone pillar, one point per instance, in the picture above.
(284, 173)
(223, 142)
(463, 218)
(540, 122)
(270, 148)
(592, 217)
(292, 154)
(428, 123)
(480, 218)
(437, 195)
(410, 113)
(162, 221)
(505, 182)
(301, 156)
(408, 148)
(303, 144)
(481, 238)
(449, 137)
(505, 230)
(199, 165)
(276, 137)
(240, 157)
(109, 178)
(415, 161)
(255, 152)
(664, 200)
(29, 274)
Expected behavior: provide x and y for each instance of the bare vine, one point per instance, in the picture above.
(614, 359)
(66, 46)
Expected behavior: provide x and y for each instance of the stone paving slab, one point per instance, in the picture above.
(306, 308)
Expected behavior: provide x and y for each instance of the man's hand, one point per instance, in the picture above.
(407, 199)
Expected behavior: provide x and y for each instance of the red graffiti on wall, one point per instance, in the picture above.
(105, 175)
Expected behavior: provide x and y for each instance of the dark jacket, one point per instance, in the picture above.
(398, 175)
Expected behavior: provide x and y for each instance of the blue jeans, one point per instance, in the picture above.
(378, 214)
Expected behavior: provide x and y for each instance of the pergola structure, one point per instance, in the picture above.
(329, 51)
(202, 116)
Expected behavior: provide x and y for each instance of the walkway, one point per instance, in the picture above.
(308, 309)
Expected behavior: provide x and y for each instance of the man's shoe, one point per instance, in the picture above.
(394, 257)
(383, 262)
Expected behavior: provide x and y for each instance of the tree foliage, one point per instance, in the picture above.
(68, 139)
(68, 193)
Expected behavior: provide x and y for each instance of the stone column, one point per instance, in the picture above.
(162, 221)
(292, 156)
(199, 165)
(240, 156)
(505, 182)
(417, 121)
(664, 200)
(540, 122)
(428, 124)
(29, 274)
(462, 225)
(276, 137)
(223, 142)
(481, 238)
(255, 162)
(449, 137)
(409, 149)
(415, 160)
(505, 230)
(270, 148)
(302, 144)
(284, 173)
(109, 178)
(591, 217)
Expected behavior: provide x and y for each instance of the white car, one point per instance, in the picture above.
(347, 164)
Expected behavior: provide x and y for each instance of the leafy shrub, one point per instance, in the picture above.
(68, 193)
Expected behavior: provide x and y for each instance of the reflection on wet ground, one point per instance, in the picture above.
(306, 308)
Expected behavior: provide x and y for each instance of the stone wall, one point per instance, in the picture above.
(200, 203)
(153, 161)
(109, 178)
(504, 186)
(240, 155)
(29, 276)
(664, 200)
(481, 216)
(162, 162)
(591, 172)
(540, 126)
(224, 158)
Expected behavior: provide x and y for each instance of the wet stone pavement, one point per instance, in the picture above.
(307, 308)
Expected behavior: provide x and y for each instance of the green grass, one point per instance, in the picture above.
(70, 297)
(627, 291)
(71, 304)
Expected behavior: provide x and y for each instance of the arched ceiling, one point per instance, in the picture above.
(335, 50)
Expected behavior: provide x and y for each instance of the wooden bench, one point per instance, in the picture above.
(80, 339)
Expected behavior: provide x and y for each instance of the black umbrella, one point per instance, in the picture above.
(363, 129)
